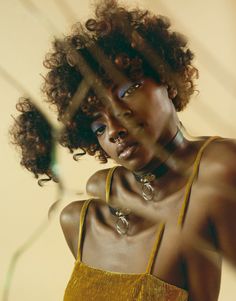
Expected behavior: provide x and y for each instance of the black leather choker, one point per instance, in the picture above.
(151, 176)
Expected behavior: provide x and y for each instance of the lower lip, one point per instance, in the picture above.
(128, 152)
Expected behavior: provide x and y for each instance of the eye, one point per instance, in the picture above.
(98, 130)
(131, 89)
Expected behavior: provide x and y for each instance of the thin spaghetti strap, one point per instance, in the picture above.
(85, 207)
(191, 179)
(81, 226)
(109, 181)
(156, 247)
(184, 207)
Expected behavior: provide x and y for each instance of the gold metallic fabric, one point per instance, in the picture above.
(91, 284)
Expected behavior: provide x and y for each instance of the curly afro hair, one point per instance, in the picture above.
(108, 31)
(32, 134)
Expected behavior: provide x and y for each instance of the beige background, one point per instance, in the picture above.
(44, 269)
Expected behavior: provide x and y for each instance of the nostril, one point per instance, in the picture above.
(122, 134)
(118, 136)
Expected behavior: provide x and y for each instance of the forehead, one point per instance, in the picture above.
(101, 111)
(94, 103)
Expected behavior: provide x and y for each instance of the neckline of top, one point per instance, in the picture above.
(81, 263)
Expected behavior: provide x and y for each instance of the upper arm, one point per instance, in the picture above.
(224, 219)
(69, 220)
(223, 211)
(203, 273)
(218, 198)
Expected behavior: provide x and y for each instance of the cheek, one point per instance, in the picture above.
(154, 115)
(158, 112)
(108, 148)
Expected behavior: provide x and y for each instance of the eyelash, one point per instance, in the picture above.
(99, 129)
(132, 89)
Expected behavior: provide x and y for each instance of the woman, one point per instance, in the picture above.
(164, 216)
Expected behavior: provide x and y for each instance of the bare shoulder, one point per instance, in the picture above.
(219, 161)
(217, 174)
(222, 146)
(69, 220)
(96, 183)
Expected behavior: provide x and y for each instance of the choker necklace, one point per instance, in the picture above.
(148, 192)
(122, 224)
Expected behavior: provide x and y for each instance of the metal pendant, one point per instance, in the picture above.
(147, 191)
(122, 225)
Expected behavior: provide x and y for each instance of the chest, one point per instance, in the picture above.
(104, 249)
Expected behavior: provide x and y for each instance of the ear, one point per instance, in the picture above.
(172, 92)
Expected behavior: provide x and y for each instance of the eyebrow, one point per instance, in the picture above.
(96, 116)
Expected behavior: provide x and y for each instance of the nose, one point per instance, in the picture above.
(116, 130)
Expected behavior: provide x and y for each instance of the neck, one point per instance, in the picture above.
(167, 180)
(178, 148)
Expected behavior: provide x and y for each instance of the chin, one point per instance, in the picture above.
(137, 160)
(136, 164)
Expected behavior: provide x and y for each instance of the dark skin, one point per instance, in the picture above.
(189, 258)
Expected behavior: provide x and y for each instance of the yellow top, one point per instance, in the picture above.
(91, 284)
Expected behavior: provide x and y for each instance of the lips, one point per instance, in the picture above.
(124, 150)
